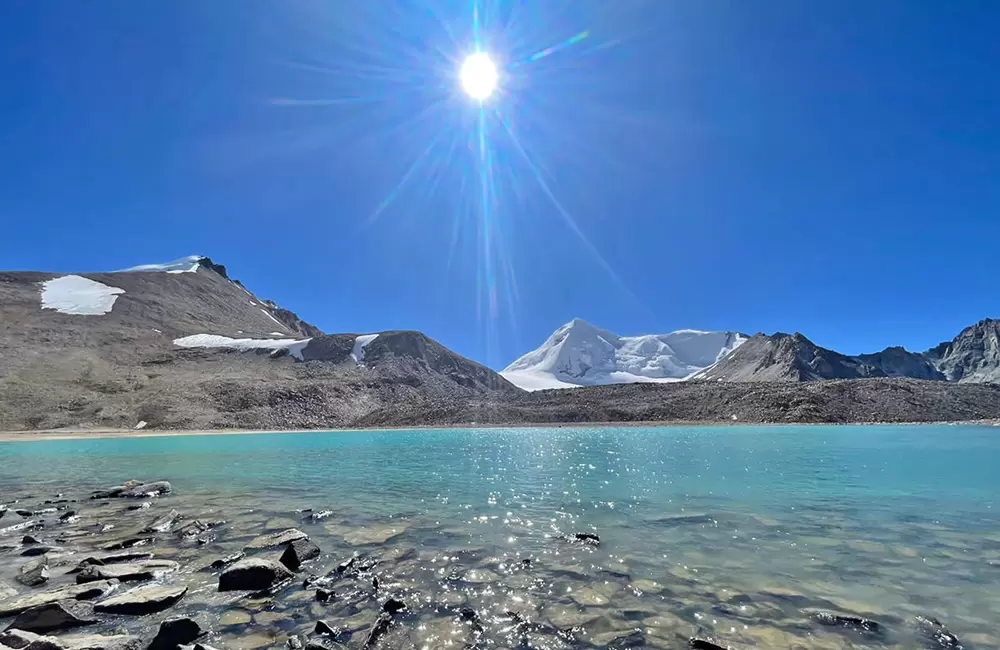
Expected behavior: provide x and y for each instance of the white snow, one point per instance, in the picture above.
(358, 353)
(187, 264)
(74, 294)
(580, 354)
(276, 334)
(294, 346)
(271, 316)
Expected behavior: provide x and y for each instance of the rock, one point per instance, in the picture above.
(25, 514)
(78, 592)
(936, 636)
(229, 559)
(114, 558)
(34, 573)
(25, 525)
(705, 644)
(318, 516)
(34, 551)
(145, 505)
(191, 529)
(235, 617)
(175, 632)
(393, 605)
(27, 540)
(378, 629)
(324, 628)
(587, 538)
(162, 524)
(147, 490)
(324, 596)
(254, 574)
(69, 514)
(142, 600)
(276, 539)
(202, 646)
(3, 510)
(860, 624)
(126, 572)
(614, 640)
(60, 615)
(22, 640)
(294, 642)
(297, 552)
(131, 542)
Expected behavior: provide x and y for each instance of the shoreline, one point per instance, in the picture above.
(101, 434)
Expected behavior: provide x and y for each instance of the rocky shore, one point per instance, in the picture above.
(128, 567)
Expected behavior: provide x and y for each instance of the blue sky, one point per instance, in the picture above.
(831, 168)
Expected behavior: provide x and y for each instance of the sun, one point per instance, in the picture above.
(479, 76)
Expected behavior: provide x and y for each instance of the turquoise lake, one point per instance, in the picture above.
(734, 532)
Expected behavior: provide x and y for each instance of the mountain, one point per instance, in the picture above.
(900, 362)
(182, 345)
(972, 356)
(580, 354)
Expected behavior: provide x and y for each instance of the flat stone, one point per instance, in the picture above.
(126, 572)
(60, 615)
(297, 552)
(253, 574)
(276, 539)
(142, 600)
(588, 597)
(131, 542)
(79, 592)
(115, 558)
(23, 640)
(235, 617)
(176, 632)
(269, 617)
(34, 573)
(375, 534)
(147, 490)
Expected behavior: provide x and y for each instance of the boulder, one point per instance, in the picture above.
(393, 605)
(27, 540)
(276, 539)
(88, 591)
(297, 552)
(142, 600)
(23, 640)
(60, 615)
(34, 573)
(175, 632)
(126, 572)
(254, 574)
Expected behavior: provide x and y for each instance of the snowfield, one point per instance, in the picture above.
(358, 353)
(580, 354)
(187, 264)
(74, 294)
(294, 346)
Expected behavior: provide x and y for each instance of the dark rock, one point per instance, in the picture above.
(69, 514)
(60, 615)
(526, 561)
(110, 493)
(142, 600)
(145, 505)
(3, 510)
(356, 566)
(34, 573)
(162, 524)
(322, 627)
(254, 574)
(324, 596)
(705, 644)
(127, 571)
(297, 552)
(468, 614)
(24, 513)
(27, 540)
(393, 605)
(375, 583)
(207, 538)
(222, 563)
(276, 539)
(131, 542)
(175, 632)
(634, 639)
(34, 551)
(202, 646)
(865, 626)
(78, 592)
(587, 538)
(936, 636)
(378, 629)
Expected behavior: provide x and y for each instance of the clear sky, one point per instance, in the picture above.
(648, 165)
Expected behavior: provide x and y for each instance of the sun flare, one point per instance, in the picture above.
(479, 76)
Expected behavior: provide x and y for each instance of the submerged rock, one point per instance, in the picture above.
(78, 592)
(297, 552)
(393, 605)
(60, 615)
(147, 490)
(34, 573)
(126, 572)
(859, 624)
(175, 632)
(254, 574)
(33, 551)
(114, 558)
(142, 600)
(378, 629)
(131, 542)
(705, 644)
(276, 539)
(162, 524)
(25, 525)
(936, 636)
(222, 563)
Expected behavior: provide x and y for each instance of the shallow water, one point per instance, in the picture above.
(735, 533)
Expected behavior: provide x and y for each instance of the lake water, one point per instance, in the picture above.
(738, 533)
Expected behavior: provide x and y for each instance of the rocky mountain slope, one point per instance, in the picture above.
(580, 354)
(182, 345)
(973, 355)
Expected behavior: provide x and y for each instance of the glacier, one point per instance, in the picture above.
(581, 354)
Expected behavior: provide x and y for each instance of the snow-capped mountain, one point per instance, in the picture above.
(580, 354)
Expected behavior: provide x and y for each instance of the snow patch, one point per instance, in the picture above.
(276, 334)
(358, 353)
(580, 354)
(271, 316)
(294, 346)
(187, 264)
(74, 294)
